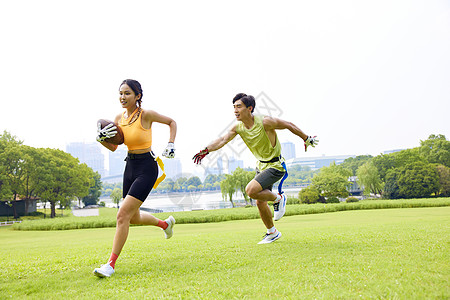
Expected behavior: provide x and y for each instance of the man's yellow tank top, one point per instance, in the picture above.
(135, 136)
(259, 144)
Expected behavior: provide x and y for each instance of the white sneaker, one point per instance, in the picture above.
(279, 208)
(104, 271)
(168, 232)
(270, 237)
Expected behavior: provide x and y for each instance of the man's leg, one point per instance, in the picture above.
(255, 191)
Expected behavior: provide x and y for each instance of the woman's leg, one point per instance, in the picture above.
(129, 208)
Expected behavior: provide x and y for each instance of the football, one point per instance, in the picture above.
(118, 138)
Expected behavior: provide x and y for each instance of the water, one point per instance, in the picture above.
(193, 201)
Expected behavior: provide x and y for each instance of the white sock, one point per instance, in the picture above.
(271, 230)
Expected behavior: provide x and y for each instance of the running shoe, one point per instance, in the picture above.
(270, 237)
(279, 208)
(168, 232)
(104, 271)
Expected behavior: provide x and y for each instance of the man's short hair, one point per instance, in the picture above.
(248, 100)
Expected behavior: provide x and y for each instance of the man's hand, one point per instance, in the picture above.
(199, 156)
(169, 152)
(311, 141)
(107, 132)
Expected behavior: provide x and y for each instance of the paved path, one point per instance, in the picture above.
(88, 212)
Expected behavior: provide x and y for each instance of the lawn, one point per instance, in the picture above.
(383, 254)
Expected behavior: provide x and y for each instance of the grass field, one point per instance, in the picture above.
(382, 254)
(107, 216)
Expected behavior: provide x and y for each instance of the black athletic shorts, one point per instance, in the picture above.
(268, 177)
(141, 172)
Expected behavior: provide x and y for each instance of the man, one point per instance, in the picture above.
(259, 134)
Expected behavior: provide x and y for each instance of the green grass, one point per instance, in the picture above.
(382, 254)
(107, 216)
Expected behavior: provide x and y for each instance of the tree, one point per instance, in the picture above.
(95, 189)
(444, 180)
(181, 183)
(309, 195)
(418, 180)
(391, 188)
(228, 188)
(396, 160)
(193, 181)
(332, 181)
(214, 180)
(64, 178)
(12, 168)
(353, 163)
(242, 178)
(369, 179)
(436, 149)
(170, 184)
(116, 196)
(33, 173)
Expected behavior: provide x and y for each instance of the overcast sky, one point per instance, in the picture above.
(365, 76)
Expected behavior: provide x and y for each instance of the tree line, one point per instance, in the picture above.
(419, 172)
(51, 175)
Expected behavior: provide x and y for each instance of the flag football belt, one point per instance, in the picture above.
(158, 160)
(275, 159)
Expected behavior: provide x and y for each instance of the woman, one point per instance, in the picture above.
(141, 169)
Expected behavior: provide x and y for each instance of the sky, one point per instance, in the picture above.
(364, 76)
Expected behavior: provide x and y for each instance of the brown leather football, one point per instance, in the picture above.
(118, 138)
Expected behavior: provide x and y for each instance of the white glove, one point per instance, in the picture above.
(311, 141)
(107, 132)
(169, 152)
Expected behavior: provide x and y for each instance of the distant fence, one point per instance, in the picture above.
(152, 210)
(6, 223)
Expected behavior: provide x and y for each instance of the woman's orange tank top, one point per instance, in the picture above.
(134, 135)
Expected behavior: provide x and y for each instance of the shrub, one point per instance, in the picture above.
(309, 195)
(292, 200)
(333, 200)
(351, 199)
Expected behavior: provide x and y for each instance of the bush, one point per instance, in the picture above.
(333, 200)
(351, 199)
(309, 195)
(292, 200)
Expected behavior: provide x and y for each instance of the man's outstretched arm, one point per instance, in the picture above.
(215, 145)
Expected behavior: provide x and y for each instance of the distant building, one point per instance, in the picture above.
(288, 150)
(90, 154)
(220, 165)
(316, 163)
(234, 163)
(392, 151)
(117, 161)
(173, 168)
(22, 207)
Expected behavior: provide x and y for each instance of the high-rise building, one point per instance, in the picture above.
(90, 154)
(173, 168)
(288, 150)
(117, 161)
(234, 163)
(316, 163)
(220, 165)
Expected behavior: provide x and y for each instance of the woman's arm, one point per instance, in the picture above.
(109, 146)
(150, 116)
